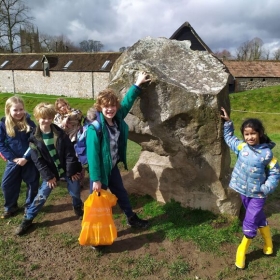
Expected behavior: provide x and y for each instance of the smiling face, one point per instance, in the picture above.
(251, 136)
(109, 112)
(62, 107)
(45, 124)
(17, 111)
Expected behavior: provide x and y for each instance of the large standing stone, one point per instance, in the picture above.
(177, 122)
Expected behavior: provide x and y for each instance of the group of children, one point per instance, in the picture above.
(48, 150)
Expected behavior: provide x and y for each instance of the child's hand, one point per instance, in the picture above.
(52, 183)
(143, 77)
(20, 161)
(96, 186)
(75, 177)
(224, 115)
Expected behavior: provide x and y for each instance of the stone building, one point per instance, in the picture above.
(253, 74)
(69, 74)
(29, 41)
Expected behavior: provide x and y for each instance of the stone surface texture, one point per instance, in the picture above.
(176, 120)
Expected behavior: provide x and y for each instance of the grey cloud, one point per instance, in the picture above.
(117, 23)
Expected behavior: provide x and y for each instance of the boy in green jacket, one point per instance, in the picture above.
(107, 148)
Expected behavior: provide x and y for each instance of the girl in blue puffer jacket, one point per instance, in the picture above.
(255, 175)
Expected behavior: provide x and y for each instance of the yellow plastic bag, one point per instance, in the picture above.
(98, 227)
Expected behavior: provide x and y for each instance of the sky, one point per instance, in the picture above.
(221, 24)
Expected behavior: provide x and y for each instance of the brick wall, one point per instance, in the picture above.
(71, 84)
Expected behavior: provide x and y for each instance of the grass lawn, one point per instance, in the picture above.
(216, 235)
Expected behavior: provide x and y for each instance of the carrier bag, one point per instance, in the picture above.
(98, 227)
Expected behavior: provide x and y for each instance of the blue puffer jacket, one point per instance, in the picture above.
(256, 172)
(18, 146)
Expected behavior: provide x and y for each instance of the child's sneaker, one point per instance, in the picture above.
(22, 228)
(79, 211)
(7, 214)
(135, 221)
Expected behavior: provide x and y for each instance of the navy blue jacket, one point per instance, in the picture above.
(17, 146)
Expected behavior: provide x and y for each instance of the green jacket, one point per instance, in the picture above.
(98, 148)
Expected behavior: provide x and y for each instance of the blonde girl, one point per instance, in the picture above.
(15, 129)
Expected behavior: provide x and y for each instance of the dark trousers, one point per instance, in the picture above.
(117, 188)
(11, 182)
(254, 217)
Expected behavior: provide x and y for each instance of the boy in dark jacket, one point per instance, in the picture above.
(55, 158)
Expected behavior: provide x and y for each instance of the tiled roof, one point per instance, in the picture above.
(86, 62)
(253, 69)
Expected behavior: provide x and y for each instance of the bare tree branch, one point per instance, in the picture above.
(13, 16)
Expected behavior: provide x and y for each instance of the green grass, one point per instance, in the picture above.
(31, 100)
(209, 232)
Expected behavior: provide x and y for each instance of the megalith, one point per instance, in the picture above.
(176, 120)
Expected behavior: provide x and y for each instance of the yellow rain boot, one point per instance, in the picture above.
(241, 252)
(268, 246)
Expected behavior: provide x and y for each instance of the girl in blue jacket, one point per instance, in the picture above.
(255, 175)
(15, 130)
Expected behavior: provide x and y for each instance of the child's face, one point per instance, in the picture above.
(62, 107)
(17, 111)
(45, 124)
(109, 112)
(251, 136)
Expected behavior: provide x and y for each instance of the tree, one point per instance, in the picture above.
(13, 16)
(56, 43)
(224, 54)
(91, 46)
(250, 50)
(276, 54)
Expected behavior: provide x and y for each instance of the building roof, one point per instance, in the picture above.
(186, 32)
(85, 62)
(253, 69)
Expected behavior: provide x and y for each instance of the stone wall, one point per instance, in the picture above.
(243, 84)
(6, 81)
(71, 84)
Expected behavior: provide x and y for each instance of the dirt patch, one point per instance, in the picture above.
(52, 251)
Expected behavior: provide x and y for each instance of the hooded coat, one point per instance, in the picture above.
(256, 172)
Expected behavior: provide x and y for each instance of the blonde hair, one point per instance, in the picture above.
(44, 111)
(10, 122)
(106, 98)
(61, 100)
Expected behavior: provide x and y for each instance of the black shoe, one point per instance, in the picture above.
(135, 221)
(99, 248)
(7, 214)
(22, 228)
(79, 211)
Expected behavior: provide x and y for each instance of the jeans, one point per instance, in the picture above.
(254, 217)
(117, 188)
(44, 192)
(11, 182)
